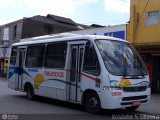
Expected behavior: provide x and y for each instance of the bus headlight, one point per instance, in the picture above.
(111, 88)
(145, 84)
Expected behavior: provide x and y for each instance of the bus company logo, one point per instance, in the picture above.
(38, 80)
(124, 83)
(4, 116)
(54, 74)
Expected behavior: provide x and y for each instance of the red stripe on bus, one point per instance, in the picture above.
(92, 78)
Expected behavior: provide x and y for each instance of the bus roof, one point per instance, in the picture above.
(62, 37)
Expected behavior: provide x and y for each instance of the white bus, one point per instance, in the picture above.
(92, 70)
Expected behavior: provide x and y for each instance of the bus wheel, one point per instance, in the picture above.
(92, 103)
(30, 92)
(132, 108)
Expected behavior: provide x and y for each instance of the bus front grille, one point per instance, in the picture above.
(134, 98)
(134, 89)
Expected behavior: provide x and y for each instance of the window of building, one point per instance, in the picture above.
(56, 55)
(91, 63)
(0, 37)
(13, 56)
(35, 55)
(6, 34)
(153, 17)
(153, 13)
(14, 31)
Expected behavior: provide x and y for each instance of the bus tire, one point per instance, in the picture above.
(92, 103)
(132, 108)
(30, 92)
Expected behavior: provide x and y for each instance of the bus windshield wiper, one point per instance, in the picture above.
(124, 66)
(137, 64)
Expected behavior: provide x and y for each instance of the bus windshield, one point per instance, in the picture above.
(121, 58)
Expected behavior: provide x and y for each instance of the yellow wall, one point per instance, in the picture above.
(138, 32)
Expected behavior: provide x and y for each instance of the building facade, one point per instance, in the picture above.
(118, 31)
(143, 31)
(31, 27)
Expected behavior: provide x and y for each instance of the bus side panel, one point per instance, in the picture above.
(12, 69)
(36, 77)
(50, 83)
(61, 90)
(88, 81)
(11, 78)
(28, 76)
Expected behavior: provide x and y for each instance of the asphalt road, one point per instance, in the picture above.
(15, 105)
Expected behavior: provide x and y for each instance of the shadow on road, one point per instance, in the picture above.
(78, 107)
(81, 114)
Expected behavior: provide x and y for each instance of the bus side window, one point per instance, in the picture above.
(35, 55)
(91, 63)
(13, 56)
(56, 55)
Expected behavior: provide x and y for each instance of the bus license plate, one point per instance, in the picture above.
(136, 103)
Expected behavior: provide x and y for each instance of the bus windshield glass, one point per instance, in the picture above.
(121, 58)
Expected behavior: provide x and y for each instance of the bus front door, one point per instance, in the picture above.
(19, 80)
(75, 70)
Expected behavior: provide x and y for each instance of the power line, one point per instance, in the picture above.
(144, 10)
(145, 7)
(137, 5)
(140, 20)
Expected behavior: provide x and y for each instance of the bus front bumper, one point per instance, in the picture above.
(119, 99)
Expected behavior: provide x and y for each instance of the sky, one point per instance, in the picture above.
(102, 12)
